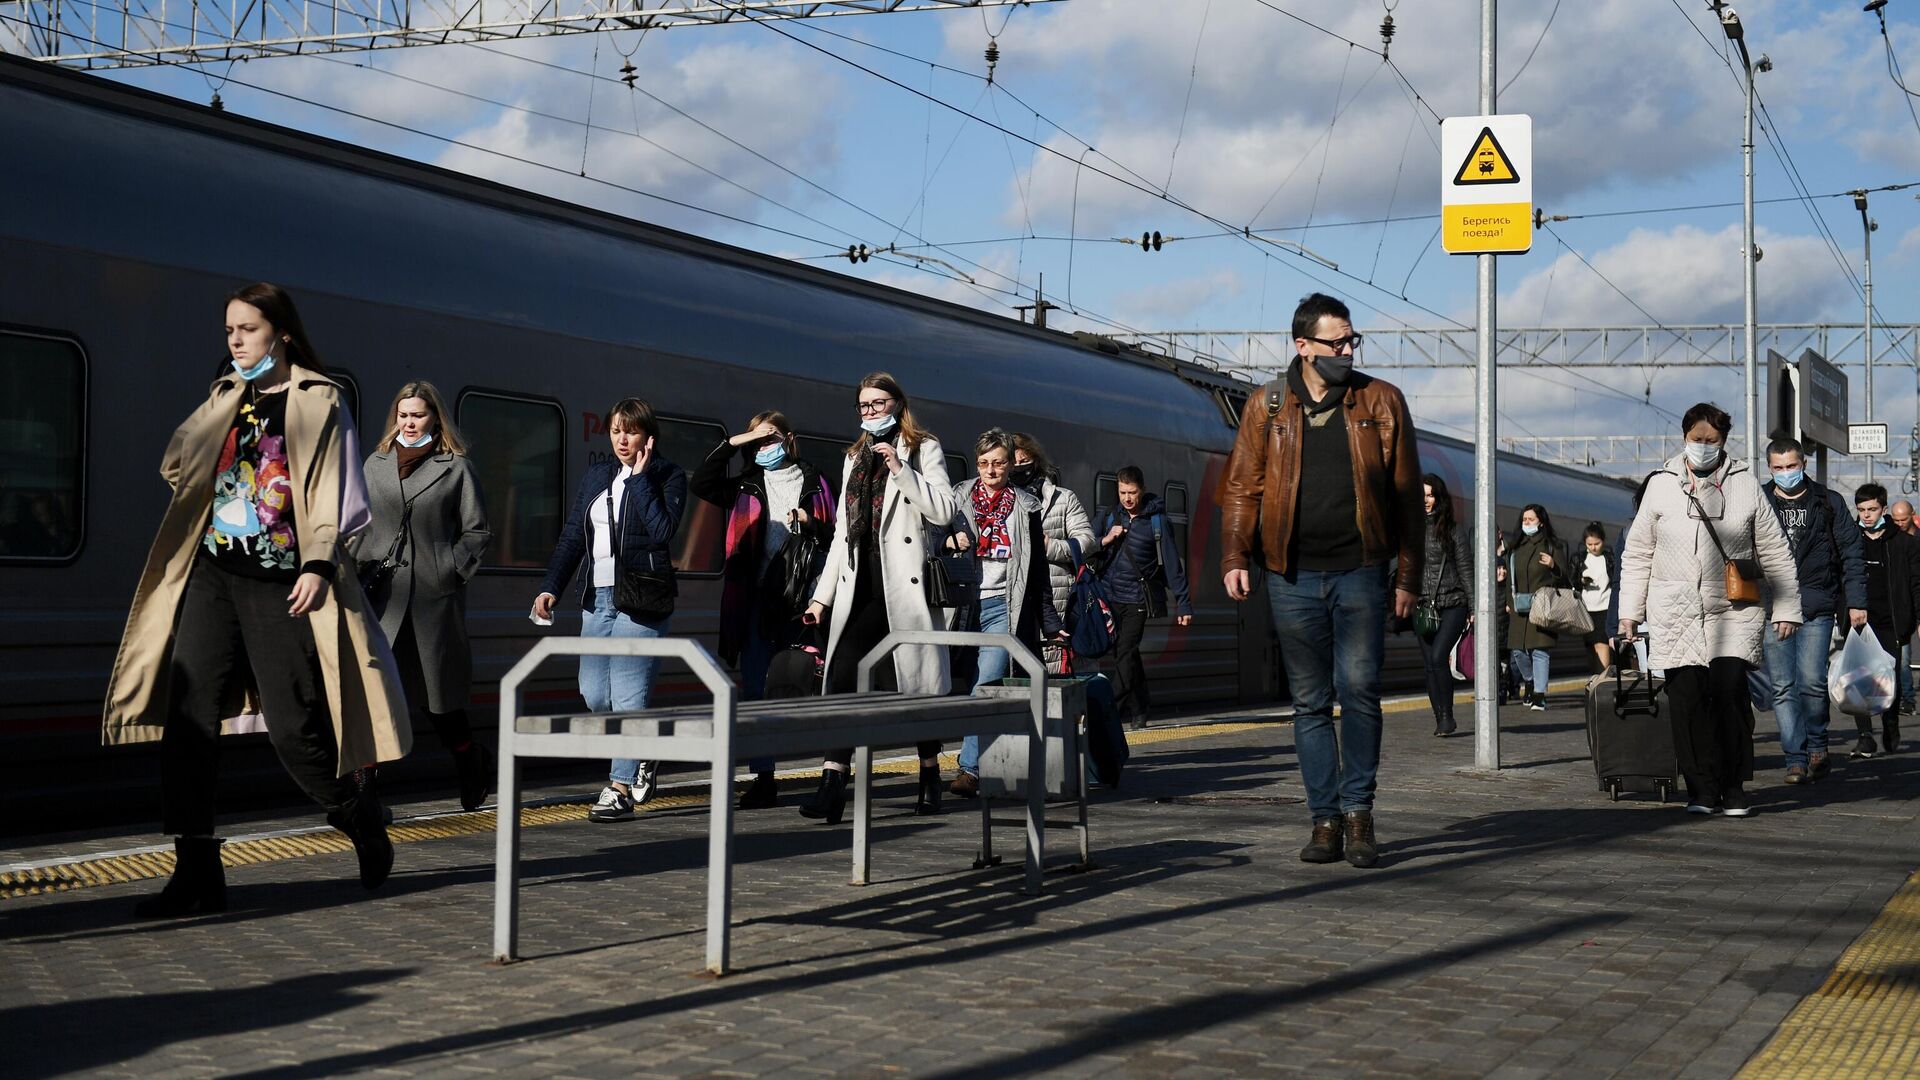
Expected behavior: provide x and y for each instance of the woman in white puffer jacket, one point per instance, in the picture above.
(1063, 518)
(1673, 578)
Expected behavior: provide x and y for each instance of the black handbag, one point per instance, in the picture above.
(376, 575)
(788, 585)
(643, 594)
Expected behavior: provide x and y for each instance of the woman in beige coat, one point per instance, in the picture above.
(1673, 578)
(247, 589)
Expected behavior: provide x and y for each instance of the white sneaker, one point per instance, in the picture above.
(1702, 808)
(647, 784)
(613, 805)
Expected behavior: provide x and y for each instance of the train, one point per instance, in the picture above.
(130, 215)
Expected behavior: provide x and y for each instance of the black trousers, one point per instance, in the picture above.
(229, 627)
(1436, 653)
(1712, 725)
(866, 625)
(1131, 699)
(454, 729)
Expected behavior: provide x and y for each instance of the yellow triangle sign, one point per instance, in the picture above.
(1486, 163)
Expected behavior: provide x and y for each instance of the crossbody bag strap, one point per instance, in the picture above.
(1712, 533)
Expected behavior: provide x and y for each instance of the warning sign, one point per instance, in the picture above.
(1486, 163)
(1486, 184)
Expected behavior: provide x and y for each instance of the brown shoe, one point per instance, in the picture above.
(964, 786)
(1796, 774)
(1325, 845)
(1819, 766)
(1361, 850)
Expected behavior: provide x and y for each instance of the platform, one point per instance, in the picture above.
(1519, 925)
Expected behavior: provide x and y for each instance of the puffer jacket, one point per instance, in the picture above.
(1673, 579)
(1447, 575)
(1069, 537)
(1833, 576)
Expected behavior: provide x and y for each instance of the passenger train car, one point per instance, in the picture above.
(128, 217)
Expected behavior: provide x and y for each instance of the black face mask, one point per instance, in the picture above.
(1336, 369)
(1021, 475)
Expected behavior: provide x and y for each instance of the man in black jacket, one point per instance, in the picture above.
(1893, 598)
(1143, 573)
(1826, 552)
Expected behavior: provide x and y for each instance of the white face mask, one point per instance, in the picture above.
(425, 438)
(1703, 455)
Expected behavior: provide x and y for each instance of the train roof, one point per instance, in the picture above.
(150, 177)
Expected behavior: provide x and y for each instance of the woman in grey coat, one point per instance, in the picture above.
(430, 530)
(1063, 521)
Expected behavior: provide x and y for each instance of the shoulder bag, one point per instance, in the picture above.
(1742, 575)
(376, 575)
(1558, 610)
(1426, 615)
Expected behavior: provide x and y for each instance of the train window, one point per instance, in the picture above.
(1106, 494)
(829, 455)
(350, 389)
(43, 419)
(958, 469)
(518, 447)
(700, 547)
(1177, 516)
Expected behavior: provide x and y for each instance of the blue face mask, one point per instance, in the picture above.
(1878, 525)
(771, 457)
(1530, 529)
(424, 439)
(1790, 479)
(266, 364)
(879, 425)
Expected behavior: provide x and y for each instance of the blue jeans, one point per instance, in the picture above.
(993, 667)
(1332, 631)
(1799, 669)
(1531, 664)
(618, 683)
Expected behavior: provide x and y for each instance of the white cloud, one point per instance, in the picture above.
(1170, 303)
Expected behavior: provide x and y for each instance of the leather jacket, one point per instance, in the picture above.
(1261, 488)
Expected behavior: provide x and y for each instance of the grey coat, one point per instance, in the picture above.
(1069, 538)
(446, 537)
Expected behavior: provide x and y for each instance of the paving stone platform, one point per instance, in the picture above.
(1519, 925)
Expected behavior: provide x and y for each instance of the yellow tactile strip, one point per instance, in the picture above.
(1864, 1021)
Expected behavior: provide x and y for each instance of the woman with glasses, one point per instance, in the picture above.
(775, 496)
(895, 503)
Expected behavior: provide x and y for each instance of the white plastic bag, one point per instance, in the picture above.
(1860, 677)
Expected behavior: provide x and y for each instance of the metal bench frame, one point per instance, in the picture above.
(720, 745)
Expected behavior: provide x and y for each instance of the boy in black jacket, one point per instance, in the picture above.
(1893, 598)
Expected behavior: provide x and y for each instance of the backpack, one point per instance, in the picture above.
(1089, 617)
(798, 672)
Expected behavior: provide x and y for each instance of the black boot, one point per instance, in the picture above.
(929, 801)
(761, 794)
(474, 766)
(1890, 733)
(198, 885)
(365, 824)
(830, 802)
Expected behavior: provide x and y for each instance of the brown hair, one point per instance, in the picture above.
(779, 421)
(636, 415)
(909, 427)
(993, 439)
(1042, 464)
(443, 429)
(276, 306)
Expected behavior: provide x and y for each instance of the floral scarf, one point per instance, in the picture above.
(866, 499)
(991, 509)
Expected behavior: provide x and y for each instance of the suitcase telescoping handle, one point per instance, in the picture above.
(1623, 694)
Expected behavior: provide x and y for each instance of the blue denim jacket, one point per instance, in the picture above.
(650, 510)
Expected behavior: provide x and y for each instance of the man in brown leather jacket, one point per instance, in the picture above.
(1323, 489)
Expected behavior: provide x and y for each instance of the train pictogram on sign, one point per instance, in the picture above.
(1486, 163)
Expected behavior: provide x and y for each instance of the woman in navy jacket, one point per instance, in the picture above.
(623, 522)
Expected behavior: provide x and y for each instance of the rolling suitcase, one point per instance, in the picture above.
(1630, 741)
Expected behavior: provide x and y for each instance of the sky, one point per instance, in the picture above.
(1105, 119)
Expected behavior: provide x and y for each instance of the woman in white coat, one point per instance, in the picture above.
(895, 503)
(1701, 511)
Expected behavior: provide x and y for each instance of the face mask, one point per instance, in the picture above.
(879, 425)
(1702, 455)
(1791, 479)
(424, 439)
(1335, 369)
(1529, 529)
(265, 365)
(771, 457)
(1878, 525)
(1021, 475)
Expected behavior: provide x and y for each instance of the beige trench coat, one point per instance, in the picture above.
(329, 500)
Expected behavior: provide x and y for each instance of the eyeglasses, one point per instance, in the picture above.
(874, 407)
(1352, 340)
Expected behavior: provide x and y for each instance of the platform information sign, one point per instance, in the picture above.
(1869, 439)
(1486, 184)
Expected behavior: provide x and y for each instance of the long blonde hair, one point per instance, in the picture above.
(444, 432)
(909, 427)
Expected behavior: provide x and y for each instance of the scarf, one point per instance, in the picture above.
(866, 499)
(991, 509)
(410, 457)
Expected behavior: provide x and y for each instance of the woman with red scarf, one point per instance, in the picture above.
(1001, 527)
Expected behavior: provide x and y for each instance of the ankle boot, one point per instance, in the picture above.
(830, 801)
(474, 766)
(364, 822)
(1361, 848)
(929, 801)
(198, 885)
